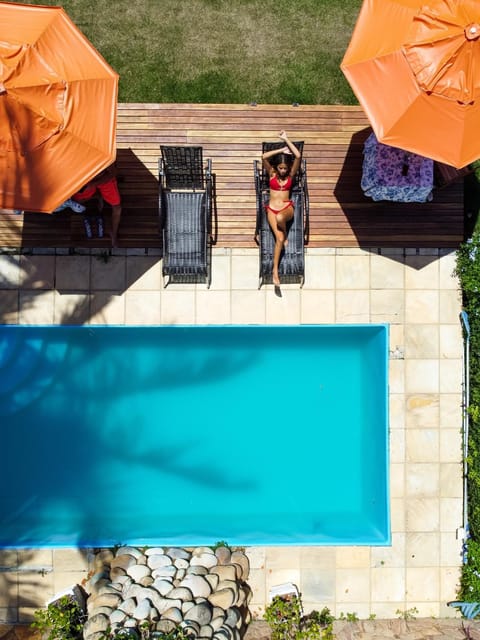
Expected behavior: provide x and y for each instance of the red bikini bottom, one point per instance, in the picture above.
(288, 203)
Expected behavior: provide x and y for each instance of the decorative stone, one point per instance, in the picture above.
(105, 610)
(175, 552)
(133, 551)
(167, 603)
(229, 584)
(117, 616)
(123, 561)
(181, 563)
(164, 626)
(224, 633)
(128, 606)
(223, 555)
(96, 624)
(197, 570)
(162, 586)
(190, 626)
(212, 580)
(130, 623)
(206, 631)
(181, 593)
(116, 573)
(153, 551)
(180, 574)
(226, 571)
(111, 600)
(138, 571)
(146, 581)
(98, 635)
(223, 598)
(198, 586)
(164, 572)
(142, 610)
(201, 613)
(174, 614)
(217, 621)
(186, 606)
(204, 558)
(238, 557)
(121, 581)
(157, 560)
(233, 617)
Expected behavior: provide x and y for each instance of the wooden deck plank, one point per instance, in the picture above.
(231, 135)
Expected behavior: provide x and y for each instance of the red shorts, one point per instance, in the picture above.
(108, 190)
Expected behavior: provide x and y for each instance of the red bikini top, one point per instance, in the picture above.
(276, 186)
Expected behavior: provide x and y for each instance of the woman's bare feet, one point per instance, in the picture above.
(275, 279)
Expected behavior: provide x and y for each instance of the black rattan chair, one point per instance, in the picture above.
(186, 193)
(291, 268)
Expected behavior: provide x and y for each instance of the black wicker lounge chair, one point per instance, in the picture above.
(292, 262)
(186, 192)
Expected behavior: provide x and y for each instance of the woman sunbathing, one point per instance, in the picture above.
(281, 166)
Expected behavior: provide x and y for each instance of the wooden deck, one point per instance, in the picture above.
(231, 135)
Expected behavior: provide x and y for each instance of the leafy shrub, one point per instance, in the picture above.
(285, 618)
(61, 620)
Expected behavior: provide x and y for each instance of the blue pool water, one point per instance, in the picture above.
(179, 435)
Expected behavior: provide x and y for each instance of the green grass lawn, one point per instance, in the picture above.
(217, 51)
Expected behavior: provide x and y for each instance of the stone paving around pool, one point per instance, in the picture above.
(413, 291)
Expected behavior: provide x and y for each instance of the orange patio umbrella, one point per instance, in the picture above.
(58, 101)
(414, 66)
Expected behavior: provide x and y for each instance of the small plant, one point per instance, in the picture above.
(349, 617)
(220, 543)
(408, 614)
(61, 620)
(285, 618)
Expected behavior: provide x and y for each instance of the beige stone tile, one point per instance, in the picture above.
(71, 308)
(451, 514)
(422, 549)
(451, 485)
(107, 307)
(319, 558)
(447, 264)
(422, 479)
(9, 271)
(361, 610)
(450, 306)
(422, 411)
(221, 271)
(317, 307)
(387, 305)
(352, 272)
(396, 336)
(449, 584)
(422, 306)
(352, 585)
(72, 273)
(421, 272)
(63, 580)
(317, 586)
(282, 558)
(422, 585)
(397, 445)
(9, 303)
(387, 610)
(281, 576)
(352, 307)
(396, 376)
(421, 341)
(26, 614)
(110, 275)
(450, 445)
(319, 272)
(284, 309)
(245, 271)
(256, 582)
(8, 558)
(451, 376)
(422, 514)
(392, 556)
(386, 273)
(451, 343)
(353, 557)
(450, 410)
(177, 307)
(36, 307)
(70, 560)
(397, 480)
(34, 589)
(213, 307)
(248, 307)
(144, 273)
(256, 557)
(388, 584)
(42, 558)
(8, 590)
(142, 307)
(396, 411)
(397, 515)
(37, 272)
(450, 549)
(422, 376)
(422, 445)
(423, 609)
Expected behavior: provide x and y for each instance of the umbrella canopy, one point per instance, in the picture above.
(58, 101)
(414, 66)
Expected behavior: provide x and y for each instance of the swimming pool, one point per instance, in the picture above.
(187, 435)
